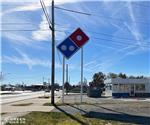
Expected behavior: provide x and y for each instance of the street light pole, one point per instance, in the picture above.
(53, 56)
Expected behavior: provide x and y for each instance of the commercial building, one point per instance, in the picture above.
(129, 87)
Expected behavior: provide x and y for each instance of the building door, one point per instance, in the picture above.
(132, 92)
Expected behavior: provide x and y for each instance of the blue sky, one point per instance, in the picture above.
(119, 39)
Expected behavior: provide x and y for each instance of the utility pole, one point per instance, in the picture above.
(52, 28)
(53, 56)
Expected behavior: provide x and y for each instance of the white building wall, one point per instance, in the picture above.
(148, 86)
(145, 81)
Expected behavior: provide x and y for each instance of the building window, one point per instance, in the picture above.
(115, 87)
(121, 87)
(126, 88)
(140, 87)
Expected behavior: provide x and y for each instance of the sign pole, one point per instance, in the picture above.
(63, 79)
(81, 92)
(53, 56)
(67, 73)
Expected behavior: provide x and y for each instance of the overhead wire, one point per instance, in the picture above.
(89, 31)
(110, 40)
(49, 22)
(46, 14)
(71, 28)
(92, 14)
(43, 7)
(79, 12)
(6, 30)
(106, 17)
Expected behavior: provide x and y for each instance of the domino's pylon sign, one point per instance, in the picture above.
(73, 43)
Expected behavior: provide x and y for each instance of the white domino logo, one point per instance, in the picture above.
(79, 37)
(71, 48)
(63, 47)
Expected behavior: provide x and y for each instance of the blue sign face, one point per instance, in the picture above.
(67, 48)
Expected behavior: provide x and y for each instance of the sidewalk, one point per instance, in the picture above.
(36, 104)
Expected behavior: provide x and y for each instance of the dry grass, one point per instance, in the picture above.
(57, 118)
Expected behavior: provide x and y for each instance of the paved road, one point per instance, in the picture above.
(23, 96)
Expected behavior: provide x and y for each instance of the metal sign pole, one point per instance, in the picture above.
(81, 92)
(67, 73)
(63, 79)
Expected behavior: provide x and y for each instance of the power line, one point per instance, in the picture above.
(46, 11)
(108, 35)
(137, 4)
(74, 11)
(90, 14)
(114, 41)
(93, 32)
(70, 27)
(5, 30)
(118, 42)
(121, 20)
(16, 23)
(46, 14)
(21, 3)
(110, 40)
(29, 3)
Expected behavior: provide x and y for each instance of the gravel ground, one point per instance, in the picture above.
(132, 111)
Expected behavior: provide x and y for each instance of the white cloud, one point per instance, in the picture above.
(24, 59)
(89, 63)
(134, 27)
(46, 35)
(36, 4)
(135, 33)
(42, 35)
(17, 39)
(105, 46)
(126, 49)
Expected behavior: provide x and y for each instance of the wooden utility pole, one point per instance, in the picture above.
(52, 28)
(53, 56)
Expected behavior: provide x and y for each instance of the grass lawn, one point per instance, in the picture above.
(23, 104)
(57, 118)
